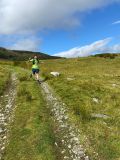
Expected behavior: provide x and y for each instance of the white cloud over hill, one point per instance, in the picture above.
(87, 50)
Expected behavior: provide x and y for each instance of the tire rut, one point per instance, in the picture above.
(6, 112)
(67, 135)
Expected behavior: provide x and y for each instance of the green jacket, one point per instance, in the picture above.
(35, 63)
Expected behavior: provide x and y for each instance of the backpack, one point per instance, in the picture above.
(34, 61)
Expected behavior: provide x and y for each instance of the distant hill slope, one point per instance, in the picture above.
(22, 55)
(107, 55)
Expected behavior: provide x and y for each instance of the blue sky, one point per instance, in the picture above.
(96, 25)
(71, 28)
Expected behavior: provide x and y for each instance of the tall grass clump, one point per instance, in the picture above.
(83, 112)
(23, 64)
(25, 93)
(4, 78)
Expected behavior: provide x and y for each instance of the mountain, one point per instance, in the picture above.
(22, 55)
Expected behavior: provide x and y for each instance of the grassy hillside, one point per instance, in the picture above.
(22, 55)
(90, 87)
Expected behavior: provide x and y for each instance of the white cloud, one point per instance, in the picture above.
(29, 16)
(94, 48)
(28, 44)
(116, 22)
(21, 16)
(115, 48)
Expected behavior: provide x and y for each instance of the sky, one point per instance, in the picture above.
(67, 28)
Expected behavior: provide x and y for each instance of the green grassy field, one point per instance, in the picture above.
(88, 86)
(91, 86)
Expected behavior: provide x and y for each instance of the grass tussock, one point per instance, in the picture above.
(24, 77)
(26, 94)
(22, 64)
(4, 78)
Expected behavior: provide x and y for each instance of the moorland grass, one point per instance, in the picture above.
(82, 80)
(4, 78)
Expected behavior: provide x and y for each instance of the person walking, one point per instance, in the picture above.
(35, 67)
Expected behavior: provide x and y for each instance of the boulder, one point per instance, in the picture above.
(95, 100)
(55, 74)
(70, 79)
(99, 116)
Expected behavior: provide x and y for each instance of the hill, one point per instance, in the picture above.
(107, 55)
(22, 55)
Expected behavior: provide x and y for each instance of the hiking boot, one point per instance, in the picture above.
(39, 81)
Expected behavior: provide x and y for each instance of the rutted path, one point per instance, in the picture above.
(6, 112)
(68, 136)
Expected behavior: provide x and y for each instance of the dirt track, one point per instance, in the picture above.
(66, 133)
(6, 111)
